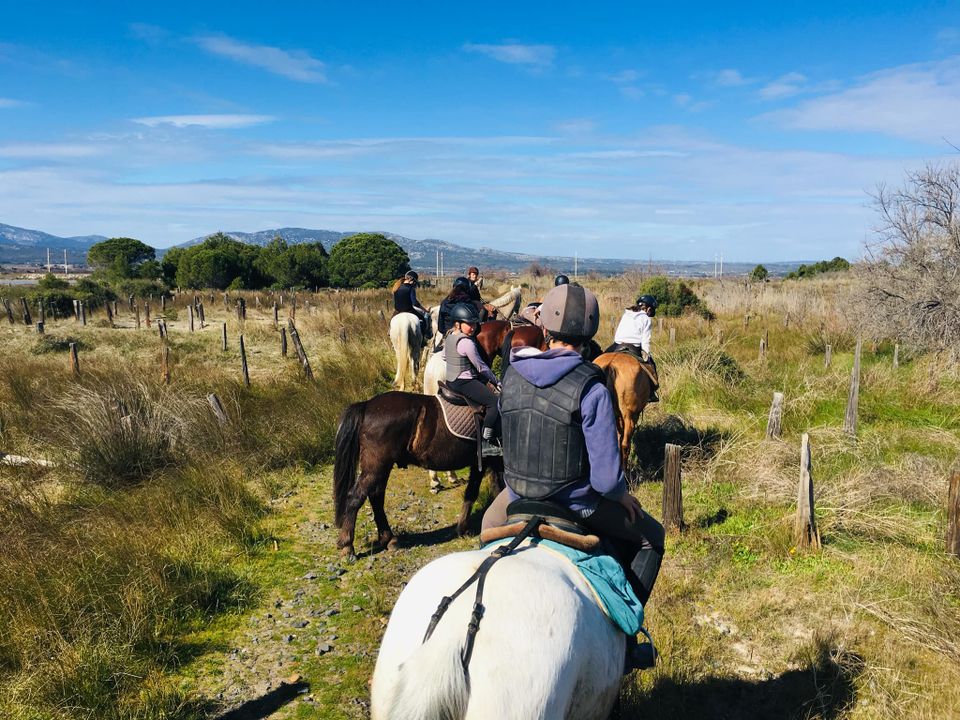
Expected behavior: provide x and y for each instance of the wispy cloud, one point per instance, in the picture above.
(784, 86)
(213, 122)
(625, 77)
(295, 65)
(150, 34)
(47, 151)
(11, 103)
(515, 53)
(919, 102)
(729, 77)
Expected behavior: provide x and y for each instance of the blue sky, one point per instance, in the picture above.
(637, 130)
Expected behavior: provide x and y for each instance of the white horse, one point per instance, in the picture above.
(433, 373)
(407, 341)
(544, 649)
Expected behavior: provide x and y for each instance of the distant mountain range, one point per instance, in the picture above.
(20, 246)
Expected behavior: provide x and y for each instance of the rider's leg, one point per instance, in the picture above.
(496, 514)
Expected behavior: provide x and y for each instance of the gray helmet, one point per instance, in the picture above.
(561, 280)
(570, 312)
(461, 282)
(461, 312)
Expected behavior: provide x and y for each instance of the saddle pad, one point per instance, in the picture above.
(605, 576)
(459, 418)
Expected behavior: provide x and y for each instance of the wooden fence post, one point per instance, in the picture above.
(146, 312)
(659, 324)
(672, 489)
(136, 311)
(223, 337)
(217, 408)
(827, 355)
(109, 313)
(83, 313)
(763, 348)
(243, 362)
(27, 320)
(298, 346)
(40, 328)
(6, 306)
(853, 398)
(276, 312)
(190, 310)
(673, 336)
(775, 418)
(896, 356)
(805, 532)
(953, 515)
(165, 364)
(283, 342)
(74, 359)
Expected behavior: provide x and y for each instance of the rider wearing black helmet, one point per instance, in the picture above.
(467, 373)
(634, 332)
(561, 279)
(405, 300)
(459, 293)
(560, 440)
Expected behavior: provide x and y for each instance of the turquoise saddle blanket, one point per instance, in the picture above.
(605, 575)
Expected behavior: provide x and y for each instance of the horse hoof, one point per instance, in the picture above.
(462, 529)
(348, 555)
(393, 545)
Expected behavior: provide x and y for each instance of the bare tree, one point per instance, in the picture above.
(912, 268)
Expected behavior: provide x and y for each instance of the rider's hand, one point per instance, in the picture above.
(631, 505)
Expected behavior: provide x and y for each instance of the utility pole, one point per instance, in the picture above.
(438, 264)
(48, 260)
(721, 265)
(65, 270)
(574, 264)
(441, 263)
(714, 265)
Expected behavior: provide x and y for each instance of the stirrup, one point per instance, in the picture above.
(490, 449)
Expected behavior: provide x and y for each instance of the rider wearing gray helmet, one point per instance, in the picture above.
(634, 332)
(467, 373)
(560, 439)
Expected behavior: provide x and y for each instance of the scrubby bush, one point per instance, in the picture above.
(674, 297)
(367, 260)
(838, 264)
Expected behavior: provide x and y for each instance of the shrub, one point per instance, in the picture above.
(759, 273)
(674, 297)
(838, 264)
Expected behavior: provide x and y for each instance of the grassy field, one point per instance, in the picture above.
(170, 567)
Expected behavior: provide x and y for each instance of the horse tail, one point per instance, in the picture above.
(432, 682)
(347, 455)
(400, 337)
(611, 380)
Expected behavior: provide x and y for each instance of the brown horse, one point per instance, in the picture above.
(490, 338)
(630, 386)
(396, 428)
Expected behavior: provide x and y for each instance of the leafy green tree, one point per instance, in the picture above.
(674, 297)
(286, 266)
(838, 264)
(759, 274)
(168, 265)
(119, 257)
(366, 260)
(219, 262)
(52, 282)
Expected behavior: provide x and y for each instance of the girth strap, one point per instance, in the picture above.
(479, 576)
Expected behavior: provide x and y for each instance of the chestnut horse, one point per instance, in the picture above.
(631, 387)
(396, 428)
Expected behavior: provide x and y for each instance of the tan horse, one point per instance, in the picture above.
(630, 386)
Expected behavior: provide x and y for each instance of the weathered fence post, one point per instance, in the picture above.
(805, 529)
(659, 324)
(896, 356)
(27, 320)
(953, 515)
(40, 328)
(136, 311)
(243, 362)
(672, 489)
(673, 336)
(201, 314)
(74, 359)
(6, 306)
(381, 315)
(298, 346)
(763, 348)
(775, 418)
(283, 342)
(223, 337)
(276, 312)
(109, 313)
(83, 313)
(165, 364)
(190, 310)
(146, 312)
(343, 335)
(853, 398)
(163, 303)
(827, 355)
(217, 408)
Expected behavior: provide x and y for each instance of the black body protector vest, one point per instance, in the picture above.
(402, 302)
(456, 363)
(543, 446)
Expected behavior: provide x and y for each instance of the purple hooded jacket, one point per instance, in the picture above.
(599, 428)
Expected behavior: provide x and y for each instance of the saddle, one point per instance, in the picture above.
(635, 352)
(527, 316)
(558, 524)
(463, 416)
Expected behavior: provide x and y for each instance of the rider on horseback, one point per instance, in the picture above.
(466, 370)
(560, 441)
(459, 294)
(405, 300)
(473, 278)
(634, 332)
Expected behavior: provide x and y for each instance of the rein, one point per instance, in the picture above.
(479, 576)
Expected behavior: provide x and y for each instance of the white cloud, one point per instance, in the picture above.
(295, 65)
(516, 53)
(576, 126)
(731, 78)
(213, 122)
(918, 102)
(784, 86)
(150, 34)
(11, 103)
(47, 151)
(625, 77)
(631, 92)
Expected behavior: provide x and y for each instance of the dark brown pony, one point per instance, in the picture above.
(490, 338)
(631, 387)
(396, 428)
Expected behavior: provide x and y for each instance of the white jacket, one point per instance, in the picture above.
(635, 328)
